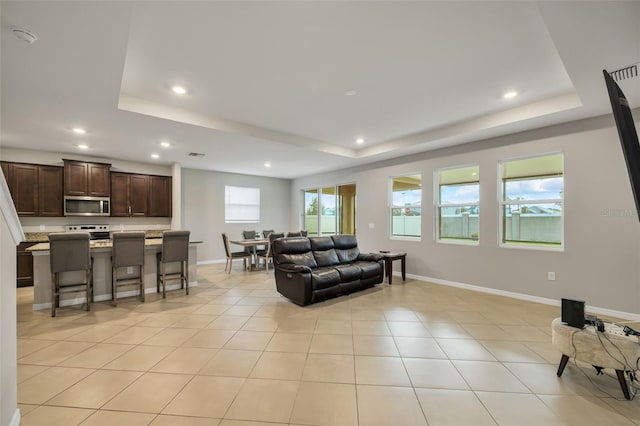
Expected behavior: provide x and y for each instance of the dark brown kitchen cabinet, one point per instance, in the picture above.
(36, 190)
(86, 179)
(24, 266)
(160, 196)
(23, 185)
(50, 180)
(129, 194)
(134, 195)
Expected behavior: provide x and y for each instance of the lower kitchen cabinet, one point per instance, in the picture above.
(24, 266)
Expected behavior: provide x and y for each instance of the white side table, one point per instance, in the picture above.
(611, 349)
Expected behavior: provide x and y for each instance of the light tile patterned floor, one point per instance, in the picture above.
(236, 353)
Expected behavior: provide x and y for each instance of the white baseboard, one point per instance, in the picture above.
(103, 297)
(211, 262)
(521, 296)
(15, 420)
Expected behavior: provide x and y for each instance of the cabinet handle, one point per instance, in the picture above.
(129, 210)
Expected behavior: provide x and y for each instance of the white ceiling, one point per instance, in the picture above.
(267, 80)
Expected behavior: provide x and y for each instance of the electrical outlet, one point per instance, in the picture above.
(551, 276)
(42, 227)
(129, 269)
(371, 226)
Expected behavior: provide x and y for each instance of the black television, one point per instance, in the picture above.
(627, 133)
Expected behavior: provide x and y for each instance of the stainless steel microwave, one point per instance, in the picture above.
(86, 206)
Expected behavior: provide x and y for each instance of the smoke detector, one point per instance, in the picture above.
(24, 35)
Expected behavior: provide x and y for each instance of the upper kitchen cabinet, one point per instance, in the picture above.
(160, 196)
(134, 195)
(86, 179)
(36, 190)
(129, 194)
(50, 190)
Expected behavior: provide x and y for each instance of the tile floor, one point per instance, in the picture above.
(235, 353)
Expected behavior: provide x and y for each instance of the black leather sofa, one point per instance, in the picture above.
(309, 270)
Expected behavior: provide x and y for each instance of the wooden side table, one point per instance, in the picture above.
(388, 264)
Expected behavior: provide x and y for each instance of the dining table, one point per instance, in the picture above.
(252, 244)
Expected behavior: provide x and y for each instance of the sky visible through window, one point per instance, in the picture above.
(534, 189)
(459, 194)
(409, 197)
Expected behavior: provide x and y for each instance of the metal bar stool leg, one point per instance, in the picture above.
(186, 275)
(142, 283)
(164, 281)
(158, 272)
(114, 289)
(54, 278)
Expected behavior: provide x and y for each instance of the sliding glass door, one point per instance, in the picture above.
(330, 210)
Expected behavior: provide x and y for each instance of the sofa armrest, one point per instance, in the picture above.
(293, 268)
(370, 257)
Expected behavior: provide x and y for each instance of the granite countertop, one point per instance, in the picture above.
(43, 237)
(36, 237)
(150, 243)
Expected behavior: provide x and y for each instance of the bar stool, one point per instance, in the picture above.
(70, 252)
(127, 251)
(175, 248)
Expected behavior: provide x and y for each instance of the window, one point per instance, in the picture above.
(241, 204)
(406, 206)
(532, 201)
(457, 204)
(330, 210)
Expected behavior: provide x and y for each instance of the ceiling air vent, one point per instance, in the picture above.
(196, 154)
(630, 71)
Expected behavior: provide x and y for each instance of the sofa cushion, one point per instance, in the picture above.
(322, 278)
(321, 243)
(348, 272)
(305, 259)
(326, 257)
(346, 247)
(323, 251)
(369, 269)
(294, 250)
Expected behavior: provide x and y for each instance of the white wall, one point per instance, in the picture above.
(600, 261)
(203, 208)
(10, 236)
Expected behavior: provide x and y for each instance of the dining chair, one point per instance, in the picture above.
(70, 251)
(267, 255)
(231, 256)
(127, 251)
(267, 232)
(249, 235)
(175, 249)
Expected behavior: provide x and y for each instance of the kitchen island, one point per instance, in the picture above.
(101, 253)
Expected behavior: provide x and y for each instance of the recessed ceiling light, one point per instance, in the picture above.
(179, 90)
(360, 141)
(510, 95)
(79, 130)
(165, 144)
(267, 164)
(83, 146)
(350, 92)
(155, 156)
